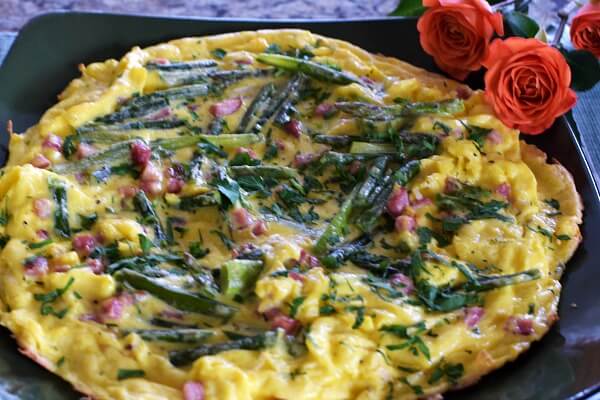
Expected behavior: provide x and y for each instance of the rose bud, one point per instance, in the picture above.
(527, 83)
(457, 33)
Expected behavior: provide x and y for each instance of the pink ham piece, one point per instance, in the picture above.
(140, 153)
(175, 185)
(37, 266)
(40, 161)
(399, 279)
(53, 142)
(324, 110)
(245, 150)
(296, 276)
(128, 191)
(259, 228)
(112, 308)
(151, 180)
(241, 218)
(279, 320)
(422, 202)
(494, 137)
(160, 114)
(85, 150)
(84, 244)
(397, 202)
(96, 265)
(405, 223)
(308, 259)
(473, 315)
(294, 128)
(42, 207)
(42, 234)
(504, 189)
(225, 107)
(519, 326)
(193, 390)
(303, 159)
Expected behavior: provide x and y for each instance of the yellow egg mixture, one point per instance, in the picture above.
(277, 215)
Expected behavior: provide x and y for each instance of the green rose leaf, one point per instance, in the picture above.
(520, 24)
(409, 8)
(585, 69)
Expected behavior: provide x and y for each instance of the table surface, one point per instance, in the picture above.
(585, 113)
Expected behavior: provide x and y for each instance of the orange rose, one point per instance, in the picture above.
(585, 29)
(527, 82)
(457, 33)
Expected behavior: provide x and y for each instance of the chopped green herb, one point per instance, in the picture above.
(39, 245)
(296, 303)
(129, 373)
(218, 53)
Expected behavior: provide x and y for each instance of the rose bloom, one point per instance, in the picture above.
(585, 29)
(527, 83)
(457, 33)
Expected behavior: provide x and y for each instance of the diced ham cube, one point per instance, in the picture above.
(308, 259)
(504, 190)
(175, 185)
(473, 315)
(405, 223)
(37, 266)
(259, 228)
(303, 159)
(193, 390)
(296, 276)
(325, 109)
(226, 107)
(245, 150)
(241, 218)
(140, 153)
(160, 114)
(96, 265)
(406, 284)
(397, 202)
(84, 244)
(85, 150)
(53, 142)
(42, 207)
(40, 161)
(279, 320)
(293, 127)
(519, 326)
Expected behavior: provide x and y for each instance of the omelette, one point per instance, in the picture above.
(277, 215)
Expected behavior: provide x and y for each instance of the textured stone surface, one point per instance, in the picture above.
(16, 12)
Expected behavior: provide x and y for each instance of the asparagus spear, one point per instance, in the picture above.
(181, 66)
(372, 184)
(490, 282)
(377, 200)
(131, 125)
(138, 262)
(182, 357)
(372, 148)
(281, 101)
(178, 298)
(239, 276)
(218, 78)
(407, 172)
(340, 254)
(144, 206)
(143, 105)
(337, 227)
(61, 211)
(376, 112)
(310, 68)
(180, 335)
(267, 171)
(190, 203)
(118, 151)
(260, 102)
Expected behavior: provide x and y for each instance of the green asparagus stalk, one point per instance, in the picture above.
(376, 112)
(336, 257)
(138, 262)
(190, 203)
(310, 68)
(182, 66)
(180, 335)
(144, 206)
(281, 101)
(267, 171)
(175, 297)
(490, 282)
(183, 357)
(118, 151)
(239, 276)
(258, 105)
(95, 128)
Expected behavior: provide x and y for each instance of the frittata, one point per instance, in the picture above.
(277, 215)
